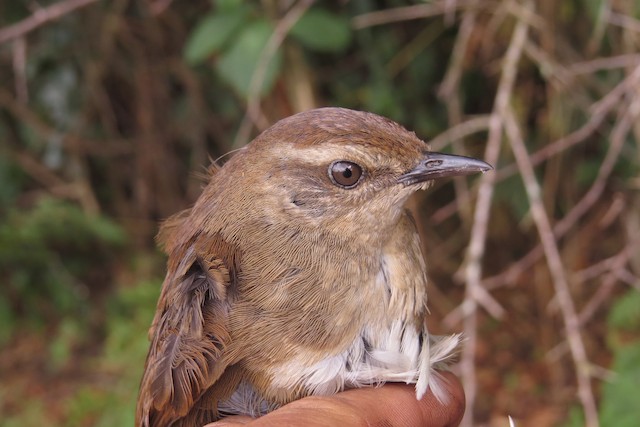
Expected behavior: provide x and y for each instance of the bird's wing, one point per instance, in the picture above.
(189, 332)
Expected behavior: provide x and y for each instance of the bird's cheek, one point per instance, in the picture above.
(399, 196)
(302, 207)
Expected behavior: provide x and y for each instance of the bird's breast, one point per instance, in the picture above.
(389, 333)
(316, 326)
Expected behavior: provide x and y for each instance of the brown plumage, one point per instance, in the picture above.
(298, 271)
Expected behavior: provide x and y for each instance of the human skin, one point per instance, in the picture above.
(389, 406)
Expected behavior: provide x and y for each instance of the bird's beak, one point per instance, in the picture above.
(439, 165)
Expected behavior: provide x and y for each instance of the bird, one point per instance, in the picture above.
(298, 271)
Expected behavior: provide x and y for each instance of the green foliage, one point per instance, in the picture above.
(11, 178)
(625, 314)
(67, 336)
(587, 171)
(620, 395)
(619, 406)
(107, 95)
(575, 418)
(238, 39)
(33, 414)
(129, 314)
(51, 259)
(238, 63)
(108, 398)
(512, 194)
(322, 31)
(212, 33)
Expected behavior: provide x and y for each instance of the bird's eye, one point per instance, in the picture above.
(345, 174)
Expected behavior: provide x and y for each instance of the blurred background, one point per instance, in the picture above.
(110, 112)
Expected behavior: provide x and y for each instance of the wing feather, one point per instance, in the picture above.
(189, 333)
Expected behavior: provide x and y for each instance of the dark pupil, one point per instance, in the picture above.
(345, 174)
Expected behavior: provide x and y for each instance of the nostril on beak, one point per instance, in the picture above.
(433, 163)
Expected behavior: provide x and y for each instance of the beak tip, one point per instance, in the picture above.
(486, 168)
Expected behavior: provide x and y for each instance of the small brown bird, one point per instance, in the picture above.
(297, 272)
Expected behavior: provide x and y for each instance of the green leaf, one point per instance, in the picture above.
(212, 33)
(238, 64)
(322, 31)
(226, 5)
(619, 396)
(513, 194)
(625, 313)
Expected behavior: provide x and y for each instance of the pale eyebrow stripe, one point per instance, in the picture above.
(326, 153)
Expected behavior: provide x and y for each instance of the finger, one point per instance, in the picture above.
(390, 405)
(396, 405)
(231, 421)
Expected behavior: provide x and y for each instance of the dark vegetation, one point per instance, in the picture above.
(110, 110)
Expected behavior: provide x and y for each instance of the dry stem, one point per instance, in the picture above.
(40, 17)
(475, 251)
(254, 113)
(556, 268)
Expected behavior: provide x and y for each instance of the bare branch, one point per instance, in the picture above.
(20, 69)
(475, 250)
(624, 21)
(159, 6)
(451, 81)
(609, 63)
(40, 17)
(449, 92)
(407, 13)
(577, 211)
(599, 112)
(606, 265)
(459, 131)
(116, 146)
(557, 270)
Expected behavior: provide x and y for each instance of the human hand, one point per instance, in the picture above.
(390, 405)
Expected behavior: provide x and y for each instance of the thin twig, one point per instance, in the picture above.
(599, 297)
(159, 6)
(624, 21)
(605, 105)
(597, 115)
(40, 17)
(599, 27)
(608, 63)
(450, 11)
(406, 13)
(577, 211)
(450, 92)
(451, 82)
(628, 277)
(620, 90)
(555, 73)
(20, 70)
(253, 115)
(475, 250)
(116, 146)
(618, 135)
(556, 268)
(614, 211)
(459, 131)
(606, 265)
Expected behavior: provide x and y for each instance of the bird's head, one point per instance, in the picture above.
(337, 168)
